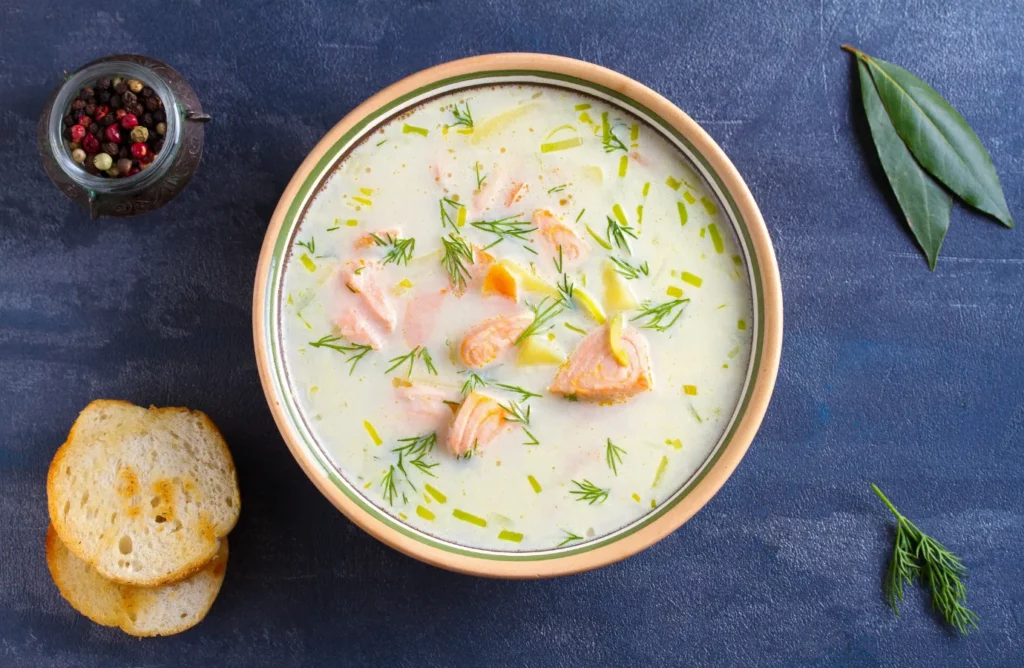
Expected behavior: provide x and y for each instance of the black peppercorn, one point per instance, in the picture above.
(115, 101)
(157, 145)
(137, 109)
(109, 119)
(86, 93)
(121, 88)
(129, 98)
(78, 104)
(152, 103)
(147, 120)
(68, 135)
(124, 152)
(90, 167)
(94, 129)
(103, 97)
(159, 116)
(103, 83)
(69, 120)
(110, 148)
(90, 109)
(147, 92)
(90, 100)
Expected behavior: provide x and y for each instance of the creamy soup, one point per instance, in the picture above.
(516, 319)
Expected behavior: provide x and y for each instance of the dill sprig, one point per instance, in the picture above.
(472, 382)
(543, 313)
(462, 117)
(399, 249)
(589, 492)
(479, 179)
(523, 394)
(657, 314)
(608, 139)
(390, 488)
(419, 352)
(557, 189)
(919, 556)
(515, 413)
(457, 254)
(630, 271)
(509, 227)
(558, 260)
(415, 449)
(308, 245)
(570, 537)
(565, 288)
(446, 216)
(353, 351)
(617, 233)
(613, 456)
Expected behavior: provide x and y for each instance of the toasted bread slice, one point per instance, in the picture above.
(142, 495)
(139, 611)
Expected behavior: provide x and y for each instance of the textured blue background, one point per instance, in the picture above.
(890, 373)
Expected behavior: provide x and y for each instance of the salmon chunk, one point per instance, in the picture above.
(593, 374)
(426, 402)
(556, 233)
(479, 420)
(367, 240)
(360, 277)
(488, 339)
(354, 326)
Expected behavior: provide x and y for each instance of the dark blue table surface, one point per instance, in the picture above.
(890, 373)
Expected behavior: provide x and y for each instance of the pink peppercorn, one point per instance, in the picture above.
(113, 133)
(77, 133)
(129, 121)
(84, 121)
(140, 150)
(90, 143)
(101, 111)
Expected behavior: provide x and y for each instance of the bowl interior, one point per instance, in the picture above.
(705, 160)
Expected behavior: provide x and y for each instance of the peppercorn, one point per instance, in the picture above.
(91, 168)
(103, 82)
(69, 120)
(94, 129)
(133, 171)
(157, 145)
(109, 119)
(140, 133)
(119, 114)
(73, 145)
(110, 148)
(129, 98)
(129, 121)
(113, 171)
(101, 111)
(124, 165)
(77, 132)
(78, 155)
(161, 129)
(115, 101)
(159, 116)
(113, 133)
(86, 93)
(90, 143)
(147, 91)
(89, 109)
(116, 80)
(135, 85)
(84, 121)
(121, 88)
(147, 120)
(103, 97)
(102, 161)
(78, 104)
(153, 103)
(124, 152)
(140, 150)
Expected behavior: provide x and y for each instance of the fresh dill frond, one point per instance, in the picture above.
(661, 316)
(613, 456)
(565, 289)
(515, 413)
(447, 205)
(417, 446)
(610, 142)
(570, 537)
(457, 254)
(543, 313)
(523, 394)
(509, 227)
(479, 179)
(399, 249)
(558, 260)
(917, 556)
(472, 382)
(353, 351)
(630, 271)
(390, 488)
(419, 352)
(617, 233)
(557, 189)
(463, 117)
(589, 492)
(308, 245)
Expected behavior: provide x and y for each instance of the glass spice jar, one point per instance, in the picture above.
(161, 180)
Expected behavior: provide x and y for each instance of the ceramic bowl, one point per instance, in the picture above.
(738, 207)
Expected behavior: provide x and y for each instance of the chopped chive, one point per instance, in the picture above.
(351, 222)
(557, 189)
(636, 497)
(734, 352)
(424, 513)
(689, 198)
(466, 517)
(623, 166)
(582, 107)
(654, 504)
(691, 390)
(582, 211)
(549, 147)
(709, 206)
(661, 471)
(620, 215)
(639, 214)
(585, 118)
(403, 516)
(331, 229)
(575, 329)
(601, 242)
(460, 217)
(673, 183)
(674, 442)
(363, 201)
(683, 214)
(510, 536)
(737, 260)
(308, 326)
(372, 432)
(634, 132)
(368, 485)
(534, 484)
(692, 279)
(716, 238)
(290, 301)
(441, 498)
(741, 325)
(702, 231)
(647, 189)
(307, 263)
(696, 415)
(674, 292)
(412, 129)
(366, 191)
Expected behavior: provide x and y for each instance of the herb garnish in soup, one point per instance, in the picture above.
(516, 319)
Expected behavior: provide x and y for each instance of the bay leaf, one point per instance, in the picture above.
(939, 137)
(924, 202)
